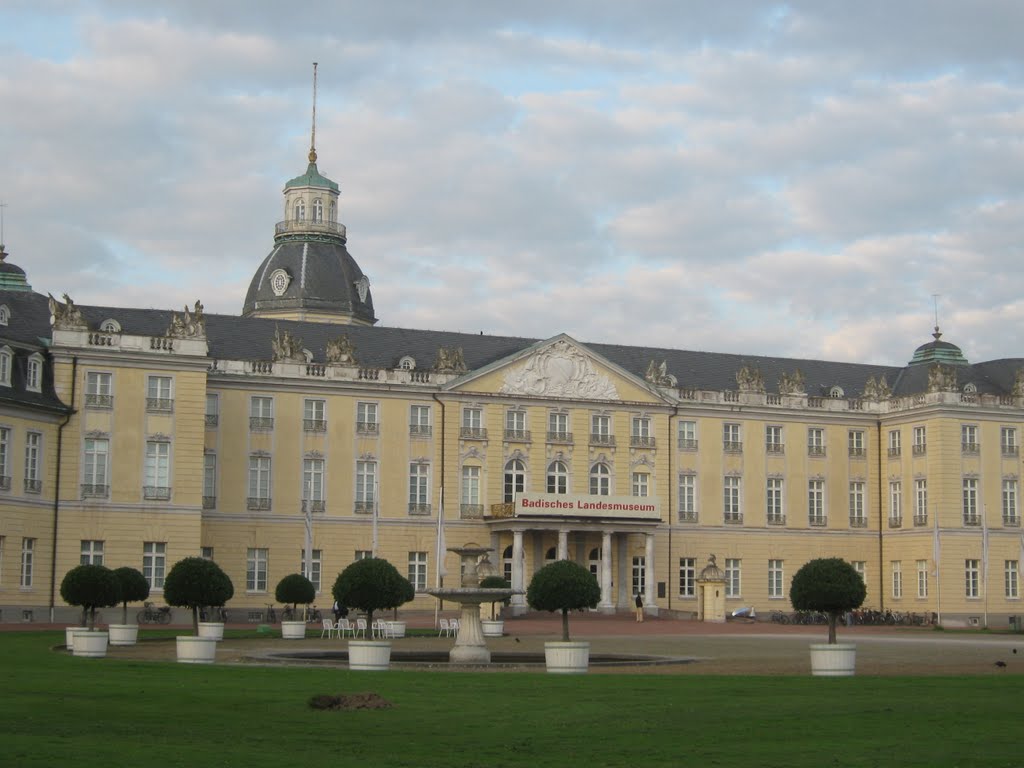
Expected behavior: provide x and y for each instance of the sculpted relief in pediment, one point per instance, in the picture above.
(560, 370)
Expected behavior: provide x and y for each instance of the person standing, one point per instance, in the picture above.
(639, 608)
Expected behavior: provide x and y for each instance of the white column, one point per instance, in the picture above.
(518, 600)
(649, 606)
(563, 544)
(606, 604)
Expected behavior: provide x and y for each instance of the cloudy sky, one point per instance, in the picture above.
(791, 179)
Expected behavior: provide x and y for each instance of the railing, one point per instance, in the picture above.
(101, 340)
(161, 343)
(896, 522)
(816, 450)
(420, 377)
(258, 503)
(920, 520)
(5, 482)
(314, 425)
(367, 428)
(471, 511)
(316, 506)
(857, 452)
(688, 516)
(421, 430)
(262, 366)
(731, 397)
(261, 423)
(778, 448)
(419, 509)
(641, 441)
(364, 507)
(894, 453)
(972, 519)
(297, 226)
(970, 448)
(776, 519)
(156, 492)
(920, 450)
(858, 522)
(815, 402)
(473, 433)
(517, 435)
(93, 400)
(212, 419)
(159, 404)
(209, 502)
(732, 446)
(733, 518)
(317, 370)
(559, 437)
(1011, 521)
(687, 444)
(95, 491)
(507, 509)
(33, 486)
(817, 521)
(369, 374)
(596, 438)
(1010, 450)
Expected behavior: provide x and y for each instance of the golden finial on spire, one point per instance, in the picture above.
(312, 136)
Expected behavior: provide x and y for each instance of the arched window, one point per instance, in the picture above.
(5, 314)
(506, 563)
(595, 562)
(600, 480)
(407, 363)
(318, 211)
(558, 477)
(515, 480)
(6, 358)
(300, 210)
(110, 326)
(333, 212)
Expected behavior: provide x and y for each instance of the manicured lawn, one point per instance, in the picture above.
(59, 710)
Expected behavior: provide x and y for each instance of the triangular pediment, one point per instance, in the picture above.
(558, 368)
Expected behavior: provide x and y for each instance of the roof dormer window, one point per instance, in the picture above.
(110, 326)
(5, 314)
(407, 363)
(6, 357)
(34, 373)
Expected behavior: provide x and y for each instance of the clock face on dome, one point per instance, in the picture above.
(279, 281)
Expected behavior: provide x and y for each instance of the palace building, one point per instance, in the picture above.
(299, 436)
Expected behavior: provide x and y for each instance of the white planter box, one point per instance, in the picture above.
(212, 629)
(69, 636)
(570, 658)
(493, 627)
(369, 654)
(91, 645)
(123, 634)
(293, 630)
(836, 660)
(196, 650)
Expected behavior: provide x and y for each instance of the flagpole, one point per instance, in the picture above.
(984, 559)
(439, 571)
(376, 512)
(936, 554)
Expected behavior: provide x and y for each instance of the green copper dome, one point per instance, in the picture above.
(312, 178)
(938, 352)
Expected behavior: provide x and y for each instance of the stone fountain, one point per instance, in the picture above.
(470, 647)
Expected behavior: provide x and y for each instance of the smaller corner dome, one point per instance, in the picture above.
(312, 178)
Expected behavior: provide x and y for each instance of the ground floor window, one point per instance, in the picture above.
(775, 578)
(418, 570)
(256, 570)
(639, 575)
(687, 576)
(732, 577)
(154, 561)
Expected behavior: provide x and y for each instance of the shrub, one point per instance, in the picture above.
(563, 586)
(195, 582)
(295, 588)
(372, 585)
(91, 587)
(495, 582)
(134, 588)
(830, 585)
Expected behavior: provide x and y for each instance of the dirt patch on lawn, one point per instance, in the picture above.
(349, 701)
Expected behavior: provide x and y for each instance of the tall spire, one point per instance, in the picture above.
(312, 135)
(935, 300)
(2, 254)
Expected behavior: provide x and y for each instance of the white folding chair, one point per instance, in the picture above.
(328, 628)
(444, 628)
(344, 627)
(454, 624)
(390, 629)
(360, 628)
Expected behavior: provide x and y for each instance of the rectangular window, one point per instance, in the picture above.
(775, 579)
(815, 441)
(419, 488)
(687, 435)
(922, 578)
(601, 429)
(969, 438)
(314, 415)
(773, 499)
(895, 503)
(418, 570)
(733, 582)
(920, 501)
(3, 542)
(159, 394)
(313, 484)
(470, 488)
(98, 390)
(209, 480)
(855, 441)
(363, 554)
(687, 498)
(732, 440)
(733, 512)
(773, 439)
(28, 551)
(920, 446)
(971, 573)
(419, 421)
(970, 501)
(95, 464)
(894, 442)
(212, 410)
(558, 427)
(256, 569)
(91, 553)
(897, 578)
(1008, 441)
(33, 457)
(641, 484)
(687, 576)
(515, 425)
(261, 414)
(640, 434)
(1010, 513)
(259, 482)
(315, 566)
(816, 502)
(366, 419)
(206, 553)
(5, 366)
(154, 561)
(472, 424)
(858, 518)
(5, 458)
(1011, 579)
(34, 374)
(158, 471)
(639, 583)
(366, 485)
(862, 570)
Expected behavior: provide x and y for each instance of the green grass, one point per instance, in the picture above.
(57, 709)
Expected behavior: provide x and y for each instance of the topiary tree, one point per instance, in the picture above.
(91, 587)
(195, 582)
(372, 585)
(830, 585)
(295, 588)
(134, 588)
(563, 586)
(494, 582)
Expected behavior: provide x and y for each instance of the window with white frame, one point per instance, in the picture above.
(773, 438)
(472, 423)
(300, 210)
(33, 460)
(815, 441)
(687, 497)
(687, 435)
(558, 477)
(154, 562)
(256, 569)
(90, 552)
(5, 314)
(515, 424)
(98, 389)
(897, 578)
(470, 490)
(313, 483)
(773, 501)
(969, 438)
(895, 448)
(558, 427)
(259, 482)
(419, 488)
(418, 570)
(209, 480)
(971, 578)
(206, 553)
(362, 554)
(212, 415)
(515, 480)
(314, 414)
(419, 421)
(159, 394)
(366, 485)
(920, 501)
(157, 477)
(600, 480)
(1008, 444)
(95, 464)
(922, 578)
(970, 501)
(601, 429)
(816, 502)
(861, 568)
(6, 365)
(639, 583)
(5, 458)
(261, 413)
(687, 576)
(640, 433)
(776, 579)
(858, 517)
(315, 567)
(920, 445)
(733, 577)
(28, 552)
(641, 484)
(366, 419)
(895, 502)
(34, 373)
(732, 440)
(731, 508)
(855, 442)
(1011, 579)
(1011, 516)
(318, 211)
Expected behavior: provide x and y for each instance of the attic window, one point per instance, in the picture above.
(836, 392)
(110, 326)
(34, 373)
(407, 363)
(970, 389)
(5, 314)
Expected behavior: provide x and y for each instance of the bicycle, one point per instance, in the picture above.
(270, 615)
(290, 613)
(150, 614)
(217, 613)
